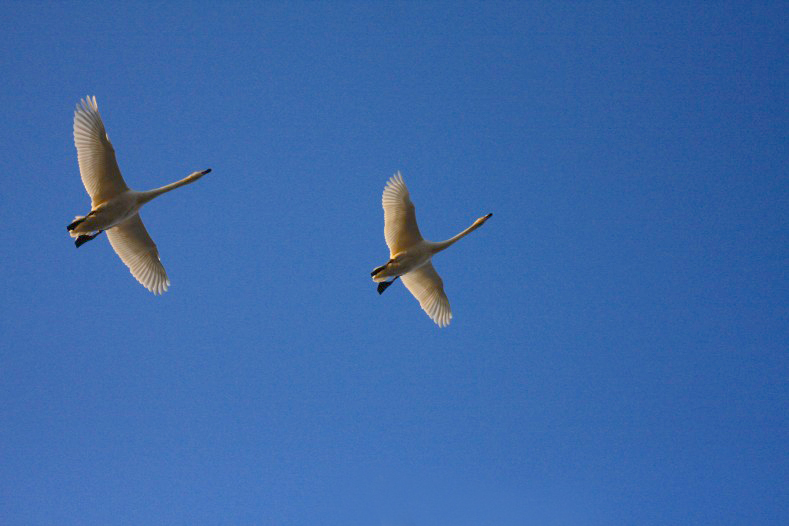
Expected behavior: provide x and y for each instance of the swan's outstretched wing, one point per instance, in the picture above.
(400, 227)
(426, 286)
(97, 165)
(138, 251)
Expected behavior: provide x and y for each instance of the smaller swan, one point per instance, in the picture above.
(410, 254)
(114, 207)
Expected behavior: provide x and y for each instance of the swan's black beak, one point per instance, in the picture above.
(206, 171)
(489, 215)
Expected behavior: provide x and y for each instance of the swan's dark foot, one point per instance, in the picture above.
(379, 269)
(76, 222)
(81, 240)
(385, 284)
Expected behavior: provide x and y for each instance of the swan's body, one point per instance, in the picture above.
(114, 206)
(411, 255)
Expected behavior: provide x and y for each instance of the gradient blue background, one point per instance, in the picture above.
(618, 353)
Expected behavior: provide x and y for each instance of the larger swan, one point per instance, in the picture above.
(114, 206)
(410, 254)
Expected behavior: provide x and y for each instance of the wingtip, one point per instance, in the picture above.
(396, 178)
(88, 103)
(444, 321)
(157, 289)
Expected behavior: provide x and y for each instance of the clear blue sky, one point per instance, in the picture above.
(618, 353)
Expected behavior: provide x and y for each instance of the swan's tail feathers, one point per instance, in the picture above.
(77, 221)
(382, 286)
(81, 240)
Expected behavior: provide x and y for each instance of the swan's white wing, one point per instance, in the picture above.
(400, 227)
(138, 251)
(97, 165)
(426, 286)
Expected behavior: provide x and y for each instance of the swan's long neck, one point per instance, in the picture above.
(438, 246)
(156, 192)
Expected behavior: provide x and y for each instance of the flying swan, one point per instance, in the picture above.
(410, 255)
(114, 206)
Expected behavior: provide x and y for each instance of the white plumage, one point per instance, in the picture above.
(411, 255)
(115, 207)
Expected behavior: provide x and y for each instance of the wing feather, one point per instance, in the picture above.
(428, 288)
(137, 250)
(97, 165)
(400, 228)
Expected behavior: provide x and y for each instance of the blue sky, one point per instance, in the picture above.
(618, 352)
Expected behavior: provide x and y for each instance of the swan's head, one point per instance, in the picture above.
(481, 220)
(198, 175)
